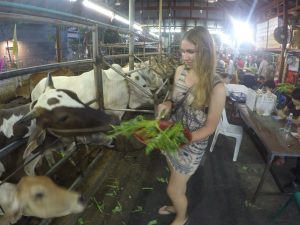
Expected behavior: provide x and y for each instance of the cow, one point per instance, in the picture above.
(137, 97)
(115, 88)
(9, 132)
(57, 110)
(67, 112)
(37, 196)
(118, 92)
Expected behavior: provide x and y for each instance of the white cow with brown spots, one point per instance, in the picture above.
(37, 196)
(115, 88)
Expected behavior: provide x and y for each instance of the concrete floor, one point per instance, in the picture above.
(219, 192)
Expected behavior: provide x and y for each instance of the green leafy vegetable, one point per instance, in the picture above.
(152, 222)
(166, 139)
(118, 208)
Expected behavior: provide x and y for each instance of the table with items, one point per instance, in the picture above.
(271, 134)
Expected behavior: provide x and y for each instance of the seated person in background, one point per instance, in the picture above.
(225, 77)
(248, 78)
(268, 85)
(292, 107)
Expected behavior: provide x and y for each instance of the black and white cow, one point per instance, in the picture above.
(8, 130)
(58, 109)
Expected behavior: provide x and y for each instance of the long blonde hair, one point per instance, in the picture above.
(203, 65)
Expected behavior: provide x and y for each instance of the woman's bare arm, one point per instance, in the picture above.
(216, 106)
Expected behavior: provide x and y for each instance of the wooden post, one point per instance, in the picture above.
(281, 77)
(58, 45)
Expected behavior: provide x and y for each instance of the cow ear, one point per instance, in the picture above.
(49, 82)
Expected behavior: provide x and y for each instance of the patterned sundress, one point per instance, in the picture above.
(187, 159)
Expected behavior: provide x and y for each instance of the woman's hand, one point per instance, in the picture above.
(164, 109)
(281, 114)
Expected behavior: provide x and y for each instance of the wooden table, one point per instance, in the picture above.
(271, 134)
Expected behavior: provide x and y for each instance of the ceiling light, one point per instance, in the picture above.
(98, 8)
(110, 14)
(117, 3)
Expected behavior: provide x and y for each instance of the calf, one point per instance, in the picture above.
(37, 196)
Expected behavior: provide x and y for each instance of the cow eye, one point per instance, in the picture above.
(39, 195)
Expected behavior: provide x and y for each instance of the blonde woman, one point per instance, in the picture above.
(197, 100)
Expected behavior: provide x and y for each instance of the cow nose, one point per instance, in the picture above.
(81, 200)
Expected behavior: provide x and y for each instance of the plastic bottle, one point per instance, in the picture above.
(288, 123)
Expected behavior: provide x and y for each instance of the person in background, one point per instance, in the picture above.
(263, 68)
(268, 86)
(251, 63)
(197, 101)
(240, 63)
(220, 68)
(230, 69)
(292, 107)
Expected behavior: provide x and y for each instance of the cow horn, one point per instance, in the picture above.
(49, 82)
(28, 117)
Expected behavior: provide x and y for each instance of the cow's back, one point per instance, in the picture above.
(115, 89)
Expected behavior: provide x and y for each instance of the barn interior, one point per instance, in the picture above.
(119, 182)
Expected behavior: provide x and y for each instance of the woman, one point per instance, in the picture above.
(197, 100)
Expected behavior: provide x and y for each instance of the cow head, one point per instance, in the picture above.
(62, 109)
(37, 196)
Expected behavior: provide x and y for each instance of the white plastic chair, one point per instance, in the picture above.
(230, 130)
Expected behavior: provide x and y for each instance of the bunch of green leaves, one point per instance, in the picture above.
(128, 128)
(168, 140)
(285, 88)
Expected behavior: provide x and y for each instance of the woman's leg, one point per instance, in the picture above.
(177, 193)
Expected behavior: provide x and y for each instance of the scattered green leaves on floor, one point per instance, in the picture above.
(245, 168)
(61, 154)
(152, 222)
(114, 188)
(147, 188)
(80, 221)
(99, 206)
(138, 209)
(118, 208)
(162, 179)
